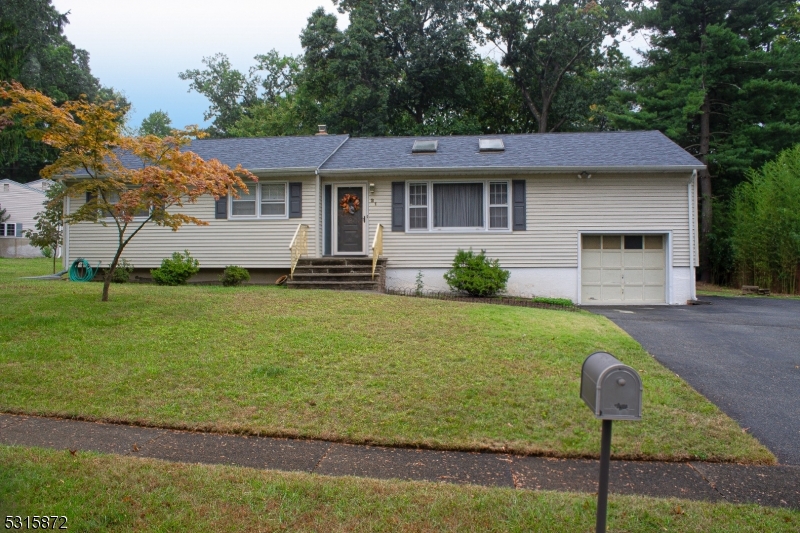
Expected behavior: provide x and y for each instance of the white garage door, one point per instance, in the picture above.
(626, 269)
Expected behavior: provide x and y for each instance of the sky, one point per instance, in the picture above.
(139, 47)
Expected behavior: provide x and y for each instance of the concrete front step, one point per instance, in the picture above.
(336, 285)
(338, 273)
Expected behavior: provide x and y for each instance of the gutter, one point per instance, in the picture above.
(506, 170)
(320, 199)
(692, 229)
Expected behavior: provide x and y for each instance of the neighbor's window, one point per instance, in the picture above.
(477, 205)
(8, 229)
(263, 200)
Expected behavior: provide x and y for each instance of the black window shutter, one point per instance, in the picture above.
(295, 199)
(89, 197)
(398, 206)
(518, 194)
(221, 207)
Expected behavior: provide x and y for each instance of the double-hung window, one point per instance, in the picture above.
(8, 229)
(263, 200)
(467, 206)
(138, 214)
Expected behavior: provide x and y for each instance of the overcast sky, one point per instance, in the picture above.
(139, 47)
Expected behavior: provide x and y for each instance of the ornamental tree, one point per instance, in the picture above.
(91, 147)
(49, 222)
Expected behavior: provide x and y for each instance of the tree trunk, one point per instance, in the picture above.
(706, 209)
(109, 274)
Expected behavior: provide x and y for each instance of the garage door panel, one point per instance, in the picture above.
(634, 277)
(654, 259)
(654, 277)
(634, 292)
(591, 293)
(654, 293)
(633, 259)
(611, 293)
(591, 259)
(591, 276)
(611, 259)
(611, 276)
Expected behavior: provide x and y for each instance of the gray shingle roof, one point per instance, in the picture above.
(589, 151)
(634, 150)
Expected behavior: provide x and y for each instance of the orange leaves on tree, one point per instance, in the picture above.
(129, 180)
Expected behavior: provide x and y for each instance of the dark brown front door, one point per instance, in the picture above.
(350, 219)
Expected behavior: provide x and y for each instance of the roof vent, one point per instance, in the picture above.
(425, 147)
(323, 129)
(491, 145)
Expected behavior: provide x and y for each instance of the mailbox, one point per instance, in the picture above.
(612, 390)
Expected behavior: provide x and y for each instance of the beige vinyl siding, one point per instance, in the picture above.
(558, 208)
(21, 203)
(246, 243)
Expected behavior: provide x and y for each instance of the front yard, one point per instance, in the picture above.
(354, 367)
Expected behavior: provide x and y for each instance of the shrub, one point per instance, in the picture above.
(553, 301)
(234, 275)
(122, 274)
(176, 271)
(476, 275)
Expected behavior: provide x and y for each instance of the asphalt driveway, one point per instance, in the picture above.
(743, 354)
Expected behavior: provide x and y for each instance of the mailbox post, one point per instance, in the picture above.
(613, 391)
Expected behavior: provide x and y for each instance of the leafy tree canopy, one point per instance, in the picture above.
(156, 123)
(89, 140)
(555, 53)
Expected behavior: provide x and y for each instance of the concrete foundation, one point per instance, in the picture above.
(11, 247)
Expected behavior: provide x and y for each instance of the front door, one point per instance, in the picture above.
(350, 220)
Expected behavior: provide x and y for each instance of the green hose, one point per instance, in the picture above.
(88, 271)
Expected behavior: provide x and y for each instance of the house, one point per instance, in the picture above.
(22, 203)
(594, 217)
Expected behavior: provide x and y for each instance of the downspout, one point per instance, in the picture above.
(692, 229)
(320, 199)
(65, 236)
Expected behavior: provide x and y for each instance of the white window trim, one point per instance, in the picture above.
(258, 215)
(137, 218)
(486, 211)
(5, 234)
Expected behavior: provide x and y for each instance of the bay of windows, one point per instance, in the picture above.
(469, 206)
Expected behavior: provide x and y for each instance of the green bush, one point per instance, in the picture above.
(553, 301)
(176, 271)
(476, 275)
(234, 275)
(122, 274)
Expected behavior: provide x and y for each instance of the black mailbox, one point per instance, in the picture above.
(612, 390)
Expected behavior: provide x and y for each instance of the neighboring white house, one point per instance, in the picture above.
(598, 218)
(22, 202)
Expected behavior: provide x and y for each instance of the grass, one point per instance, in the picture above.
(353, 367)
(709, 289)
(112, 493)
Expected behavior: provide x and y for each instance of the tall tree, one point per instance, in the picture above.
(268, 86)
(35, 52)
(400, 67)
(156, 123)
(90, 140)
(552, 49)
(702, 62)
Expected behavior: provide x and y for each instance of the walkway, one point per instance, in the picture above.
(767, 485)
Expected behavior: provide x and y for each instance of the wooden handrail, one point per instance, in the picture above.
(298, 246)
(377, 247)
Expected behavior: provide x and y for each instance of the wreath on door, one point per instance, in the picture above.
(350, 203)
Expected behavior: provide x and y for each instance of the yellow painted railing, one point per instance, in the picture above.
(299, 246)
(377, 247)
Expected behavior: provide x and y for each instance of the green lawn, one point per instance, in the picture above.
(112, 493)
(355, 367)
